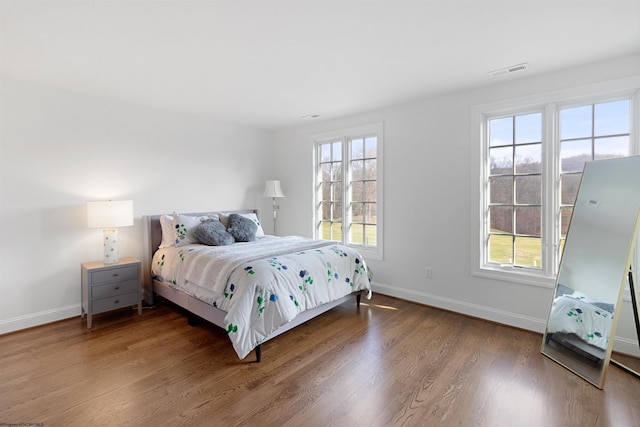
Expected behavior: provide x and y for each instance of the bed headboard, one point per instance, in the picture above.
(152, 238)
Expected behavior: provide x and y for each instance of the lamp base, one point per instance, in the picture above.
(110, 245)
(275, 213)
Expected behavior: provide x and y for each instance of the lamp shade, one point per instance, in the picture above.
(109, 214)
(272, 189)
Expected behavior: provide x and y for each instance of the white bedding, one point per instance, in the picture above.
(263, 284)
(589, 322)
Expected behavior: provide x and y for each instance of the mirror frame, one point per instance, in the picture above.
(581, 369)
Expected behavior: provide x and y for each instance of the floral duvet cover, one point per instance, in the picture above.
(589, 322)
(263, 285)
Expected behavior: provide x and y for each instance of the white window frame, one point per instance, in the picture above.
(345, 135)
(549, 104)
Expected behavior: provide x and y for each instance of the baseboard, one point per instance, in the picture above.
(474, 310)
(622, 345)
(626, 346)
(37, 319)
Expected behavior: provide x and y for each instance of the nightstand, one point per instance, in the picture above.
(110, 286)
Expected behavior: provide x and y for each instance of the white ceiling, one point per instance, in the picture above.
(265, 63)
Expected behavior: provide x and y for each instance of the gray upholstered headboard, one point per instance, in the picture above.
(152, 239)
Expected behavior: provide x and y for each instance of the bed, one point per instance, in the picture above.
(580, 324)
(256, 287)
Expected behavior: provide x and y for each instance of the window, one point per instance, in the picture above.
(348, 196)
(515, 190)
(532, 162)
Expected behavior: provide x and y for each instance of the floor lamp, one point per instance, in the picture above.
(273, 190)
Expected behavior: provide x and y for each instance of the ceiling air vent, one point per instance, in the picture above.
(509, 70)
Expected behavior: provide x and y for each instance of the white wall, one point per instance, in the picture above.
(60, 149)
(427, 145)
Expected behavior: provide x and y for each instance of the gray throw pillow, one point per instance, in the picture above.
(241, 228)
(605, 306)
(213, 233)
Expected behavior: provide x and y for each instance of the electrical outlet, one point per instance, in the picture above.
(428, 272)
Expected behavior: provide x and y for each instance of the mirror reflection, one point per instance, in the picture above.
(594, 268)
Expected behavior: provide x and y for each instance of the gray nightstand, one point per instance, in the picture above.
(110, 286)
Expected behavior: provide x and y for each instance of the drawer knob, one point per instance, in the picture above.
(116, 301)
(115, 274)
(117, 287)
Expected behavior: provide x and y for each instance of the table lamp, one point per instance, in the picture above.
(108, 215)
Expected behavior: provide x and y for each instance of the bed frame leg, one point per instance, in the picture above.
(358, 298)
(192, 320)
(258, 353)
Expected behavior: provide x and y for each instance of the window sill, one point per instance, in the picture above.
(516, 275)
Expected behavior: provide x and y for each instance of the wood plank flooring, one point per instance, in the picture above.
(390, 363)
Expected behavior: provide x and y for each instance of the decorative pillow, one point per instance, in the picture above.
(241, 228)
(168, 232)
(183, 228)
(212, 233)
(605, 306)
(253, 217)
(224, 218)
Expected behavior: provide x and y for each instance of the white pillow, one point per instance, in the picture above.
(224, 219)
(253, 217)
(183, 226)
(168, 232)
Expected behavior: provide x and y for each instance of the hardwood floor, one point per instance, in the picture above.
(392, 363)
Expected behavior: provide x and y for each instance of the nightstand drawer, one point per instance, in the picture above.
(117, 301)
(115, 288)
(113, 274)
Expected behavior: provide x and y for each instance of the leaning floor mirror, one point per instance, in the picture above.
(597, 267)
